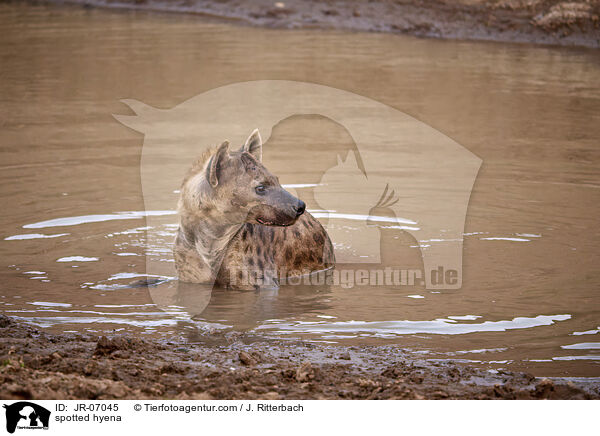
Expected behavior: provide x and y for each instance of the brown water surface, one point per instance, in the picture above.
(529, 298)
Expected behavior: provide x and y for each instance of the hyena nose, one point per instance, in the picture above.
(300, 208)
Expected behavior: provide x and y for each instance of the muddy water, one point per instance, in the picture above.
(73, 218)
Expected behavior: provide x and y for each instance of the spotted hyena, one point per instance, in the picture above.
(239, 228)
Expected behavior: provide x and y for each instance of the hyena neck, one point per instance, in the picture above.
(210, 239)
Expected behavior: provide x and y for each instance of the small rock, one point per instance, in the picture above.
(345, 356)
(270, 396)
(89, 368)
(544, 388)
(4, 321)
(247, 359)
(305, 372)
(121, 354)
(417, 378)
(367, 383)
(108, 345)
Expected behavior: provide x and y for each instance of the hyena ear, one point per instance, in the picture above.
(215, 164)
(253, 145)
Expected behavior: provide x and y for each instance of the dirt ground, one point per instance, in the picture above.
(38, 365)
(535, 21)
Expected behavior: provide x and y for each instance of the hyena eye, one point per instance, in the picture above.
(260, 189)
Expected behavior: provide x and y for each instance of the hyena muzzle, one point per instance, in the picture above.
(239, 228)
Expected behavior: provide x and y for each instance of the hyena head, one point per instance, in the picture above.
(235, 187)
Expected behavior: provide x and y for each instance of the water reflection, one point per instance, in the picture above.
(71, 176)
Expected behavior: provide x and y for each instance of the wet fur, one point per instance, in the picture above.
(220, 238)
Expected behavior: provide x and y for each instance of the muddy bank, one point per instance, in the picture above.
(574, 23)
(38, 365)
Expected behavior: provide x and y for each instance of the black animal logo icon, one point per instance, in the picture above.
(26, 414)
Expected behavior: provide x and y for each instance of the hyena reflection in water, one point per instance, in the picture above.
(239, 228)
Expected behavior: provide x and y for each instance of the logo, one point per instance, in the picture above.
(26, 415)
(398, 175)
(393, 192)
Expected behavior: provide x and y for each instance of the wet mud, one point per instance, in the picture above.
(38, 365)
(534, 21)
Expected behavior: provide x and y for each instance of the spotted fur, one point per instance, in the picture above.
(239, 228)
